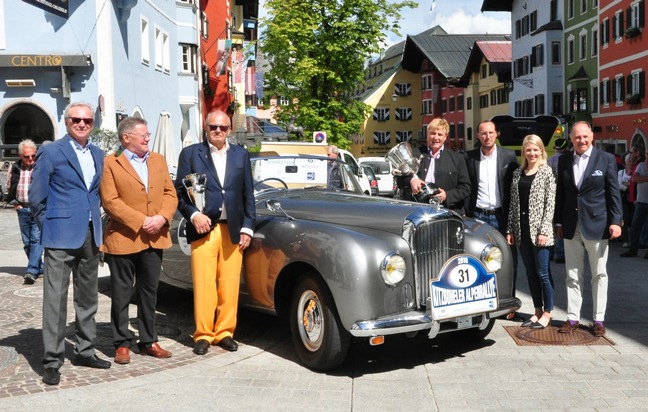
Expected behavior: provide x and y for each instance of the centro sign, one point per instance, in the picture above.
(36, 60)
(44, 60)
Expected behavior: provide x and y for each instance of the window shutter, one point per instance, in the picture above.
(642, 84)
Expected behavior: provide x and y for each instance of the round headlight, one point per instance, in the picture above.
(393, 269)
(492, 258)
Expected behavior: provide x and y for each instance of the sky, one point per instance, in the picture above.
(455, 16)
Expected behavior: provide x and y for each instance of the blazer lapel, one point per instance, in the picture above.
(208, 162)
(592, 164)
(69, 153)
(128, 167)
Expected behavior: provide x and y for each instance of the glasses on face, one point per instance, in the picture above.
(28, 156)
(86, 120)
(216, 127)
(142, 135)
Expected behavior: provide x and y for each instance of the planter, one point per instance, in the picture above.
(633, 98)
(632, 32)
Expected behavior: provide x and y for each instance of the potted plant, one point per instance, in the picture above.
(633, 98)
(632, 32)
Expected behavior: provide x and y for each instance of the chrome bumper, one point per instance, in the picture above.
(413, 321)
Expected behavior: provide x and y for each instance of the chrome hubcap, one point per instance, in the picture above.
(310, 320)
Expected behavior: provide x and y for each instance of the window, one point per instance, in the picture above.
(381, 114)
(537, 55)
(502, 96)
(460, 103)
(381, 137)
(444, 106)
(618, 89)
(461, 131)
(538, 103)
(483, 71)
(556, 104)
(145, 45)
(636, 83)
(483, 101)
(426, 82)
(583, 6)
(617, 22)
(605, 32)
(605, 92)
(518, 29)
(403, 113)
(403, 136)
(188, 1)
(452, 133)
(636, 15)
(403, 89)
(555, 52)
(162, 55)
(553, 10)
(582, 52)
(595, 99)
(570, 9)
(189, 58)
(570, 51)
(427, 106)
(468, 103)
(452, 104)
(469, 133)
(594, 4)
(595, 42)
(578, 100)
(204, 25)
(534, 20)
(493, 97)
(525, 25)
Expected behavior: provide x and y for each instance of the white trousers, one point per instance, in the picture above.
(597, 252)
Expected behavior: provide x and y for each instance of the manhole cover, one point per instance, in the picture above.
(551, 336)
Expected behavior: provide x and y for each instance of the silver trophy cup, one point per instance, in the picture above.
(402, 160)
(196, 185)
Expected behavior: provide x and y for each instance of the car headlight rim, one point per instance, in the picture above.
(393, 269)
(492, 257)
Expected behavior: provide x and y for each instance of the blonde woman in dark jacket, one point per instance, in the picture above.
(530, 225)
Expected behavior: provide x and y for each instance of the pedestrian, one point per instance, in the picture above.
(64, 198)
(138, 196)
(588, 214)
(624, 179)
(443, 167)
(640, 214)
(530, 225)
(220, 232)
(490, 168)
(560, 148)
(20, 178)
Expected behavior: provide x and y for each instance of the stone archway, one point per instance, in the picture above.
(639, 139)
(24, 121)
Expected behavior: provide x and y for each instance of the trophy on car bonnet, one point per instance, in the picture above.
(404, 164)
(196, 185)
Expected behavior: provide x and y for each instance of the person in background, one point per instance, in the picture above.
(490, 168)
(20, 178)
(530, 225)
(640, 214)
(140, 200)
(443, 167)
(64, 200)
(624, 178)
(560, 148)
(218, 234)
(588, 213)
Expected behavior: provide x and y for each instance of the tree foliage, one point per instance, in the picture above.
(316, 52)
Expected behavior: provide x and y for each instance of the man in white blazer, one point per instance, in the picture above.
(588, 214)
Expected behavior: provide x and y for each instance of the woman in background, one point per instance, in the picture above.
(530, 225)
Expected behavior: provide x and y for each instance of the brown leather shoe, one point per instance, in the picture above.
(569, 326)
(598, 329)
(156, 351)
(122, 355)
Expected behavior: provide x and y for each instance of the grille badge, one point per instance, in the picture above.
(459, 236)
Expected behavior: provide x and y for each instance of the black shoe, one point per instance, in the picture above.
(527, 323)
(29, 279)
(537, 325)
(52, 376)
(228, 344)
(201, 347)
(92, 362)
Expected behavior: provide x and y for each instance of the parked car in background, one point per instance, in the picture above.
(340, 265)
(371, 177)
(383, 172)
(347, 157)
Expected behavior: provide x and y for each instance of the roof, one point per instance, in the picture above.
(448, 53)
(497, 5)
(496, 53)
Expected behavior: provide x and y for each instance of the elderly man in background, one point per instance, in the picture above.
(139, 197)
(20, 178)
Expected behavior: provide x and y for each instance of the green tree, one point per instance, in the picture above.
(317, 51)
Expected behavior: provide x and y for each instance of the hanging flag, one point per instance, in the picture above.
(433, 6)
(250, 81)
(237, 63)
(222, 54)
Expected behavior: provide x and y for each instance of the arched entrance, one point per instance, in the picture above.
(24, 121)
(639, 139)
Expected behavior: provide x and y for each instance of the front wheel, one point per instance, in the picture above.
(319, 339)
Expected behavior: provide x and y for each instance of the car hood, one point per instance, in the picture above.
(351, 210)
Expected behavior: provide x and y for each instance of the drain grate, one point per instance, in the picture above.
(550, 336)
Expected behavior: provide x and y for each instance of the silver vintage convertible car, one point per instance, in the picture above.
(343, 265)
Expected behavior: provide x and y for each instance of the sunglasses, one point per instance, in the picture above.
(216, 127)
(28, 156)
(77, 120)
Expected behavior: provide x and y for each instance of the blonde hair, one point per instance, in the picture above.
(438, 123)
(535, 140)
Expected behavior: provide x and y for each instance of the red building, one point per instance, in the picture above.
(623, 111)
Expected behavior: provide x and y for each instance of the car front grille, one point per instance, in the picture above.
(433, 243)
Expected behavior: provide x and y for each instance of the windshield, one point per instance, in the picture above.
(302, 172)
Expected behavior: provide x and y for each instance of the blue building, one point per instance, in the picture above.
(124, 57)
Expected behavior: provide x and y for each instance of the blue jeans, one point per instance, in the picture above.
(31, 235)
(638, 226)
(497, 221)
(536, 263)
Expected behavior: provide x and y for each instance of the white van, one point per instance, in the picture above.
(347, 157)
(383, 171)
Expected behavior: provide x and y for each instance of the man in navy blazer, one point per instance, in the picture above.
(588, 214)
(64, 199)
(219, 233)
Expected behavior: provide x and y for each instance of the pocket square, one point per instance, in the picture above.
(597, 173)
